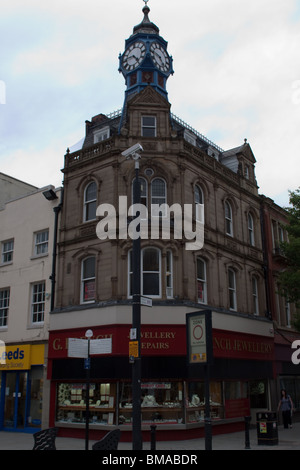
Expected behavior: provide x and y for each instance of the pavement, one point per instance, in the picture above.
(288, 439)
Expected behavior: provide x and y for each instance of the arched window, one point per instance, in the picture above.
(144, 191)
(158, 195)
(154, 191)
(228, 219)
(90, 202)
(232, 289)
(88, 279)
(201, 281)
(198, 195)
(251, 230)
(199, 199)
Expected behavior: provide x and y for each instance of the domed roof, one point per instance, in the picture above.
(146, 26)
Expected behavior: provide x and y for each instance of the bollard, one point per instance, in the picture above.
(153, 437)
(247, 435)
(208, 433)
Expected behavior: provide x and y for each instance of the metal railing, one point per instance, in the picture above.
(198, 134)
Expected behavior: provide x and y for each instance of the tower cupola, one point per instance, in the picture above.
(145, 60)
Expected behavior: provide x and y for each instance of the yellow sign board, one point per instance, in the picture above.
(134, 348)
(198, 357)
(21, 356)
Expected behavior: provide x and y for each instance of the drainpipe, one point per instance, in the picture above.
(265, 257)
(56, 211)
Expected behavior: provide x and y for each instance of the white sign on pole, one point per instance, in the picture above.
(100, 346)
(77, 348)
(146, 301)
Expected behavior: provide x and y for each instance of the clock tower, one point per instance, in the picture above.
(145, 60)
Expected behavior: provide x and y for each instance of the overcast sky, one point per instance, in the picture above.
(237, 76)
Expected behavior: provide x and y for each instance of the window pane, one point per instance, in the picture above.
(231, 279)
(41, 242)
(227, 211)
(232, 291)
(89, 290)
(149, 121)
(158, 188)
(150, 260)
(91, 192)
(158, 196)
(200, 269)
(169, 274)
(151, 283)
(150, 270)
(89, 268)
(91, 210)
(4, 305)
(148, 132)
(149, 126)
(38, 302)
(228, 218)
(201, 281)
(255, 296)
(7, 251)
(198, 195)
(88, 279)
(90, 200)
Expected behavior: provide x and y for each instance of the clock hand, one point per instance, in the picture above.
(134, 57)
(159, 57)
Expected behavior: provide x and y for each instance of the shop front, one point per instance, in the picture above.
(172, 393)
(21, 387)
(287, 365)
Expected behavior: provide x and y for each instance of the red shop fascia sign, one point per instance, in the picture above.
(167, 340)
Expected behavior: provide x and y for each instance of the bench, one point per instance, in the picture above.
(45, 440)
(109, 442)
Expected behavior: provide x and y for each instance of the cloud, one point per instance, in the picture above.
(236, 75)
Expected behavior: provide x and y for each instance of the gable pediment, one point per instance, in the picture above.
(148, 96)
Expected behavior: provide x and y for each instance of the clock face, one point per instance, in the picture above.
(160, 57)
(134, 55)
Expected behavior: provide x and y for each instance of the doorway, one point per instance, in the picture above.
(14, 385)
(21, 400)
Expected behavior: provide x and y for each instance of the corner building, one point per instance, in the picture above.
(94, 277)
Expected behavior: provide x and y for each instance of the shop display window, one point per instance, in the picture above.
(237, 401)
(258, 394)
(36, 397)
(162, 403)
(292, 386)
(195, 406)
(71, 403)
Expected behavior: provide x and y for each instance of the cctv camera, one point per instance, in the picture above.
(132, 151)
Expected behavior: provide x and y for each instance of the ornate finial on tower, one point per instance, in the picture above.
(146, 26)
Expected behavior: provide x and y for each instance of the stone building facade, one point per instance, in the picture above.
(180, 166)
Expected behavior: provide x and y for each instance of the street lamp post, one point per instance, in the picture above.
(88, 335)
(136, 310)
(136, 325)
